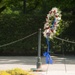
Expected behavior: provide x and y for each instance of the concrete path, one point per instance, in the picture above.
(61, 65)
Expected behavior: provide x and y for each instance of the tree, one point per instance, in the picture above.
(2, 5)
(24, 6)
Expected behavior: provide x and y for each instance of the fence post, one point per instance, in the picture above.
(74, 49)
(39, 50)
(62, 47)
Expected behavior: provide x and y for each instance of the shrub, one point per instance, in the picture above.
(4, 73)
(15, 71)
(14, 27)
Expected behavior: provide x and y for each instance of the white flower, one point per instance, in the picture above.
(55, 9)
(46, 25)
(44, 34)
(47, 19)
(48, 15)
(57, 25)
(54, 31)
(50, 29)
(52, 14)
(55, 28)
(51, 35)
(58, 19)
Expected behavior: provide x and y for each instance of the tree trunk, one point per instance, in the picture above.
(24, 6)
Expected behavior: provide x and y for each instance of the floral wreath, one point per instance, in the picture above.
(52, 22)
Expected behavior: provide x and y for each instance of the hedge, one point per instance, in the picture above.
(14, 27)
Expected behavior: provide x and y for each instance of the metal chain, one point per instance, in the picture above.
(63, 52)
(17, 40)
(64, 40)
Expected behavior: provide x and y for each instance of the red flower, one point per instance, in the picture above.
(56, 15)
(54, 11)
(51, 30)
(50, 12)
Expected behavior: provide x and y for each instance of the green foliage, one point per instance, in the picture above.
(14, 27)
(2, 5)
(38, 6)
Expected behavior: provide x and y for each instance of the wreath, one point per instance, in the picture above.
(52, 23)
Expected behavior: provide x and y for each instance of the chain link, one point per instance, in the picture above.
(18, 40)
(64, 40)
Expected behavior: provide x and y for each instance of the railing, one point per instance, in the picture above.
(61, 46)
(58, 46)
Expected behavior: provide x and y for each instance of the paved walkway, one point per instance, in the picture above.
(61, 65)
